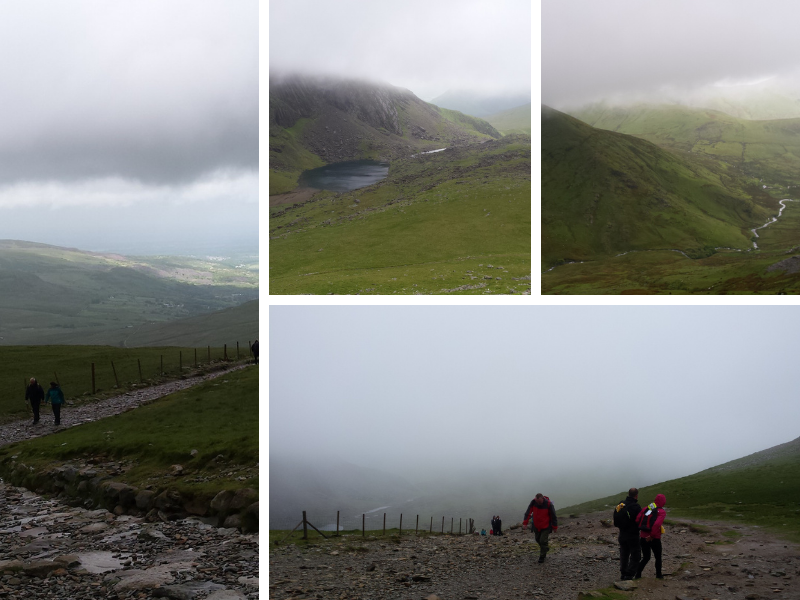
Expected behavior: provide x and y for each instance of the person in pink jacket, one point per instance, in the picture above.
(650, 519)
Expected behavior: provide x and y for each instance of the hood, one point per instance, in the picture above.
(661, 500)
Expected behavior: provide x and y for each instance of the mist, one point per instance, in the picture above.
(426, 47)
(147, 107)
(473, 403)
(684, 52)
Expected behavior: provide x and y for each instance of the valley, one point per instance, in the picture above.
(708, 209)
(55, 295)
(452, 216)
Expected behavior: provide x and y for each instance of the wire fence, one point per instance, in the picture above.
(375, 522)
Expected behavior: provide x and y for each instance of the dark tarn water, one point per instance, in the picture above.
(345, 176)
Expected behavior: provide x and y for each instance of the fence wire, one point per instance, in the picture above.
(374, 521)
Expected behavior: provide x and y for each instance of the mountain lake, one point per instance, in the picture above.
(344, 176)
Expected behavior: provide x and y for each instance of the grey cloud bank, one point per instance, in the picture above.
(623, 50)
(145, 105)
(427, 47)
(592, 398)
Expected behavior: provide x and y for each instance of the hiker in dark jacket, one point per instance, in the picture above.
(254, 350)
(34, 394)
(650, 539)
(499, 530)
(544, 521)
(56, 398)
(630, 551)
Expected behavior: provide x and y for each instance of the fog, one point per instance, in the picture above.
(426, 47)
(625, 51)
(580, 401)
(148, 106)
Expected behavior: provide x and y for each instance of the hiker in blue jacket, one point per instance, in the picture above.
(56, 398)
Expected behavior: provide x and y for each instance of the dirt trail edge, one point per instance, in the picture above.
(702, 559)
(71, 415)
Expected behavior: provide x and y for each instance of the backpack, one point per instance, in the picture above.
(623, 518)
(648, 518)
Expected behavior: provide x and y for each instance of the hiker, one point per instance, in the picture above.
(630, 552)
(254, 350)
(56, 398)
(499, 524)
(544, 521)
(650, 519)
(34, 394)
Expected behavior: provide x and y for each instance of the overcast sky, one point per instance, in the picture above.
(623, 49)
(659, 392)
(143, 105)
(427, 47)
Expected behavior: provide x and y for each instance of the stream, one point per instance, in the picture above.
(755, 245)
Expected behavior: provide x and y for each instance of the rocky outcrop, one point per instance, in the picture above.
(95, 488)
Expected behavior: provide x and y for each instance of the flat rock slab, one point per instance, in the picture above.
(625, 585)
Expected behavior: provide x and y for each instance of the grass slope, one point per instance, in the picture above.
(513, 120)
(457, 220)
(153, 437)
(761, 489)
(239, 323)
(62, 295)
(604, 193)
(72, 367)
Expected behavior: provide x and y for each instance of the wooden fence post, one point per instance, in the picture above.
(93, 387)
(225, 352)
(180, 361)
(139, 362)
(337, 522)
(451, 525)
(384, 523)
(431, 525)
(116, 380)
(305, 526)
(416, 531)
(237, 349)
(401, 524)
(362, 525)
(459, 525)
(442, 524)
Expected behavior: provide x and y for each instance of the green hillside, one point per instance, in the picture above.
(766, 150)
(604, 193)
(239, 323)
(313, 122)
(456, 221)
(55, 295)
(513, 120)
(761, 489)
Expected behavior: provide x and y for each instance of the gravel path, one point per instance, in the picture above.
(584, 557)
(72, 415)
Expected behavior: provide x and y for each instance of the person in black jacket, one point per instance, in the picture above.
(34, 394)
(630, 551)
(254, 350)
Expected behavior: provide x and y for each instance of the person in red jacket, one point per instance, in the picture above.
(650, 538)
(544, 521)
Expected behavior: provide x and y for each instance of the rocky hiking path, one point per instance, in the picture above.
(49, 549)
(72, 415)
(702, 560)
